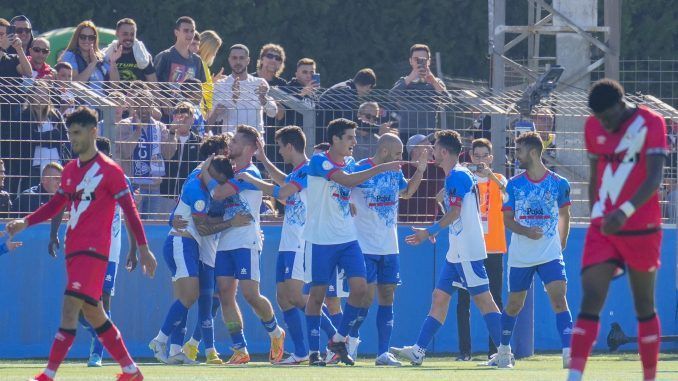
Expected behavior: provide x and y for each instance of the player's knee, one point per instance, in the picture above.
(513, 307)
(644, 307)
(440, 300)
(251, 295)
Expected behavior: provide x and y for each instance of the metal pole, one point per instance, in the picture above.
(497, 16)
(439, 74)
(612, 19)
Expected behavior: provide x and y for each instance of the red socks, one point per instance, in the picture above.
(112, 341)
(60, 347)
(584, 334)
(649, 339)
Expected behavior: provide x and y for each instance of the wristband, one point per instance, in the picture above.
(276, 191)
(433, 229)
(212, 184)
(627, 208)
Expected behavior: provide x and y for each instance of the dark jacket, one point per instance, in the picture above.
(177, 168)
(30, 200)
(5, 204)
(339, 101)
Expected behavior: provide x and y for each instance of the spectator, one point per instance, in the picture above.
(241, 98)
(270, 66)
(34, 197)
(191, 92)
(178, 63)
(24, 30)
(87, 61)
(135, 62)
(41, 137)
(194, 47)
(121, 112)
(419, 95)
(422, 207)
(303, 87)
(186, 157)
(39, 52)
(210, 43)
(65, 99)
(5, 199)
(370, 130)
(12, 65)
(343, 99)
(144, 144)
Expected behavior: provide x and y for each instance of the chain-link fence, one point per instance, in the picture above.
(161, 131)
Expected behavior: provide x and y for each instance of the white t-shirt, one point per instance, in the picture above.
(376, 202)
(243, 105)
(467, 241)
(328, 218)
(247, 200)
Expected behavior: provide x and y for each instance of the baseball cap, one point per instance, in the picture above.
(414, 141)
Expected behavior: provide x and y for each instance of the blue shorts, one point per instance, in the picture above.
(520, 278)
(469, 275)
(290, 265)
(206, 279)
(241, 264)
(336, 289)
(182, 256)
(326, 258)
(383, 269)
(109, 280)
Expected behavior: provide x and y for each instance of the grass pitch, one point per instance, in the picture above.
(622, 367)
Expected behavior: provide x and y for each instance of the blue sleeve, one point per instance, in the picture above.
(457, 185)
(195, 198)
(300, 178)
(563, 193)
(510, 203)
(402, 182)
(321, 166)
(240, 185)
(69, 57)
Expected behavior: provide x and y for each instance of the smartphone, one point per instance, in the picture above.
(421, 62)
(316, 78)
(11, 30)
(473, 167)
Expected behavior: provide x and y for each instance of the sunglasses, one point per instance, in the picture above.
(273, 57)
(40, 50)
(23, 30)
(182, 110)
(85, 37)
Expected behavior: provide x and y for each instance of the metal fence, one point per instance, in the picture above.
(157, 147)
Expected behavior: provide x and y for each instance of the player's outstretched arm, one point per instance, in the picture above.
(54, 243)
(43, 213)
(220, 191)
(276, 174)
(208, 226)
(513, 225)
(564, 225)
(421, 234)
(415, 181)
(6, 243)
(277, 191)
(354, 179)
(615, 220)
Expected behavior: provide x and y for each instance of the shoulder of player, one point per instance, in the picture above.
(649, 115)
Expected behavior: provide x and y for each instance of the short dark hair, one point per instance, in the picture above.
(324, 146)
(191, 84)
(83, 116)
(239, 46)
(365, 77)
(221, 164)
(212, 145)
(183, 19)
(481, 142)
(292, 135)
(449, 140)
(104, 145)
(338, 127)
(63, 65)
(4, 22)
(125, 21)
(604, 94)
(251, 133)
(422, 47)
(305, 61)
(532, 140)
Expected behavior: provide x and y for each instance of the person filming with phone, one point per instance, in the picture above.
(12, 65)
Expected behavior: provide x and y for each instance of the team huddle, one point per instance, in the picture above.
(340, 239)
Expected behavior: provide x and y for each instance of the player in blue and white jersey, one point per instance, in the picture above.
(239, 250)
(376, 202)
(332, 237)
(464, 267)
(184, 250)
(538, 214)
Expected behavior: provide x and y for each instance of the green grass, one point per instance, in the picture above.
(601, 367)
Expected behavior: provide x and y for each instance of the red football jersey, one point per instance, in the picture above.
(92, 189)
(622, 165)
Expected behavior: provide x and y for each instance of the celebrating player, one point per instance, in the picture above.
(90, 186)
(376, 222)
(538, 214)
(627, 148)
(466, 254)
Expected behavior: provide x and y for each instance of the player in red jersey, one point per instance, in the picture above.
(90, 187)
(627, 148)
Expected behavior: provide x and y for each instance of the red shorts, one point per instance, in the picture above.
(86, 272)
(638, 251)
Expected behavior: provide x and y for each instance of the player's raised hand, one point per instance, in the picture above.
(260, 154)
(534, 232)
(148, 262)
(15, 227)
(613, 222)
(419, 236)
(422, 163)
